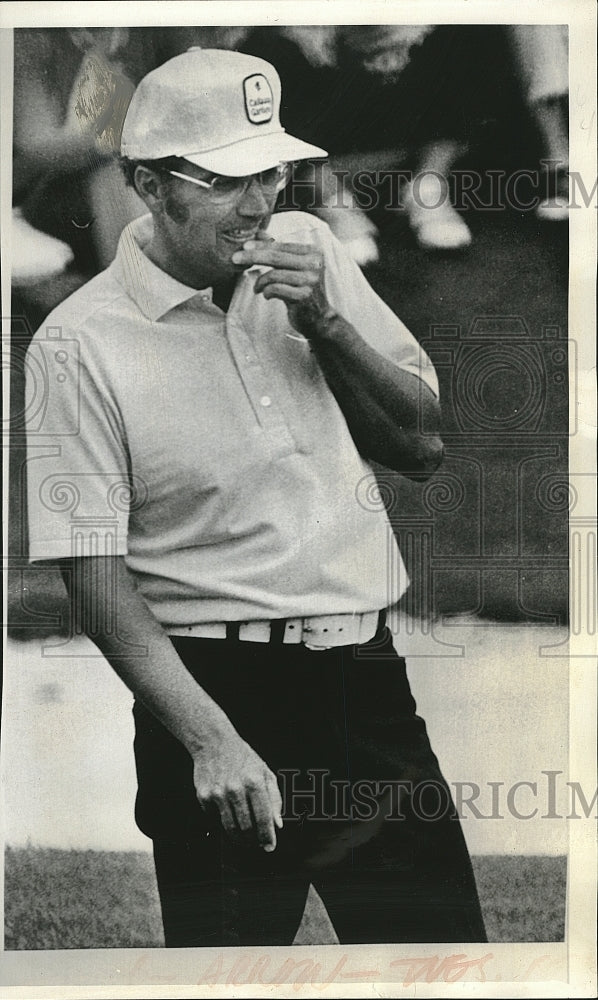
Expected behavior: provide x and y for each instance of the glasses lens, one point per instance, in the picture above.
(227, 187)
(276, 177)
(273, 179)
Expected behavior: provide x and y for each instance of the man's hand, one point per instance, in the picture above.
(295, 275)
(232, 779)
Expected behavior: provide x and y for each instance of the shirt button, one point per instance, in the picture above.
(266, 401)
(205, 298)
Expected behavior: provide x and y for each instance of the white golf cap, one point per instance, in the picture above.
(217, 109)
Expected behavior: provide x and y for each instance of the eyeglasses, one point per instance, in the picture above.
(223, 188)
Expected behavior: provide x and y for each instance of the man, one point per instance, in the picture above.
(233, 375)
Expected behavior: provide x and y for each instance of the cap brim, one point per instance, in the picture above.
(250, 156)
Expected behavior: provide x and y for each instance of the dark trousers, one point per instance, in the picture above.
(368, 818)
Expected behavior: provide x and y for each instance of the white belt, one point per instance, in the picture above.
(316, 632)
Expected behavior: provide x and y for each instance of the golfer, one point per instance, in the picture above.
(206, 451)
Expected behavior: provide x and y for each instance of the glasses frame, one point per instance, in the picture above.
(284, 169)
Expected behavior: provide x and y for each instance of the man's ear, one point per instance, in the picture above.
(150, 186)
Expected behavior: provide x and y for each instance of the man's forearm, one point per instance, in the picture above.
(228, 775)
(392, 414)
(110, 610)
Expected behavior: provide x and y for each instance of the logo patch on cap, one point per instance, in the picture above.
(259, 99)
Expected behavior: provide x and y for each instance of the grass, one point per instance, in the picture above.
(80, 899)
(57, 899)
(523, 897)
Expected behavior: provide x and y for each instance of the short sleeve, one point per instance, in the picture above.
(79, 489)
(354, 298)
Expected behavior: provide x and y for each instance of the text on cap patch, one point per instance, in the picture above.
(259, 99)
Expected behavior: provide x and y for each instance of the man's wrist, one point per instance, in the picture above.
(328, 317)
(211, 730)
(320, 324)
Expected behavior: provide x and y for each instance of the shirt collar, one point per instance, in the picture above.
(154, 291)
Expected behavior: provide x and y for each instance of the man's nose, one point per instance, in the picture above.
(253, 200)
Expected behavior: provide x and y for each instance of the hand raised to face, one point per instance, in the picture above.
(295, 275)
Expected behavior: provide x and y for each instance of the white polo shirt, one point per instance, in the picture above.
(206, 447)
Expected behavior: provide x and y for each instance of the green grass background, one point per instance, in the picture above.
(56, 899)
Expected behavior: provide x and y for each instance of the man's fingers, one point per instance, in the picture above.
(261, 808)
(241, 811)
(228, 819)
(283, 277)
(274, 255)
(289, 293)
(294, 248)
(275, 798)
(234, 813)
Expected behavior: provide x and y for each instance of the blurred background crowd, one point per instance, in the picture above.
(427, 101)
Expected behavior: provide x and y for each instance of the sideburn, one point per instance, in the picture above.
(175, 211)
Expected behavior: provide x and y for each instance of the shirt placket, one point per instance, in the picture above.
(260, 390)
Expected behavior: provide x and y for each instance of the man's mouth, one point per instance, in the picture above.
(240, 235)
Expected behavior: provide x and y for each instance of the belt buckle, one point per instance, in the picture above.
(311, 631)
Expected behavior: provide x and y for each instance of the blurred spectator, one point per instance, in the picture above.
(413, 95)
(35, 256)
(541, 55)
(71, 92)
(435, 223)
(172, 41)
(385, 51)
